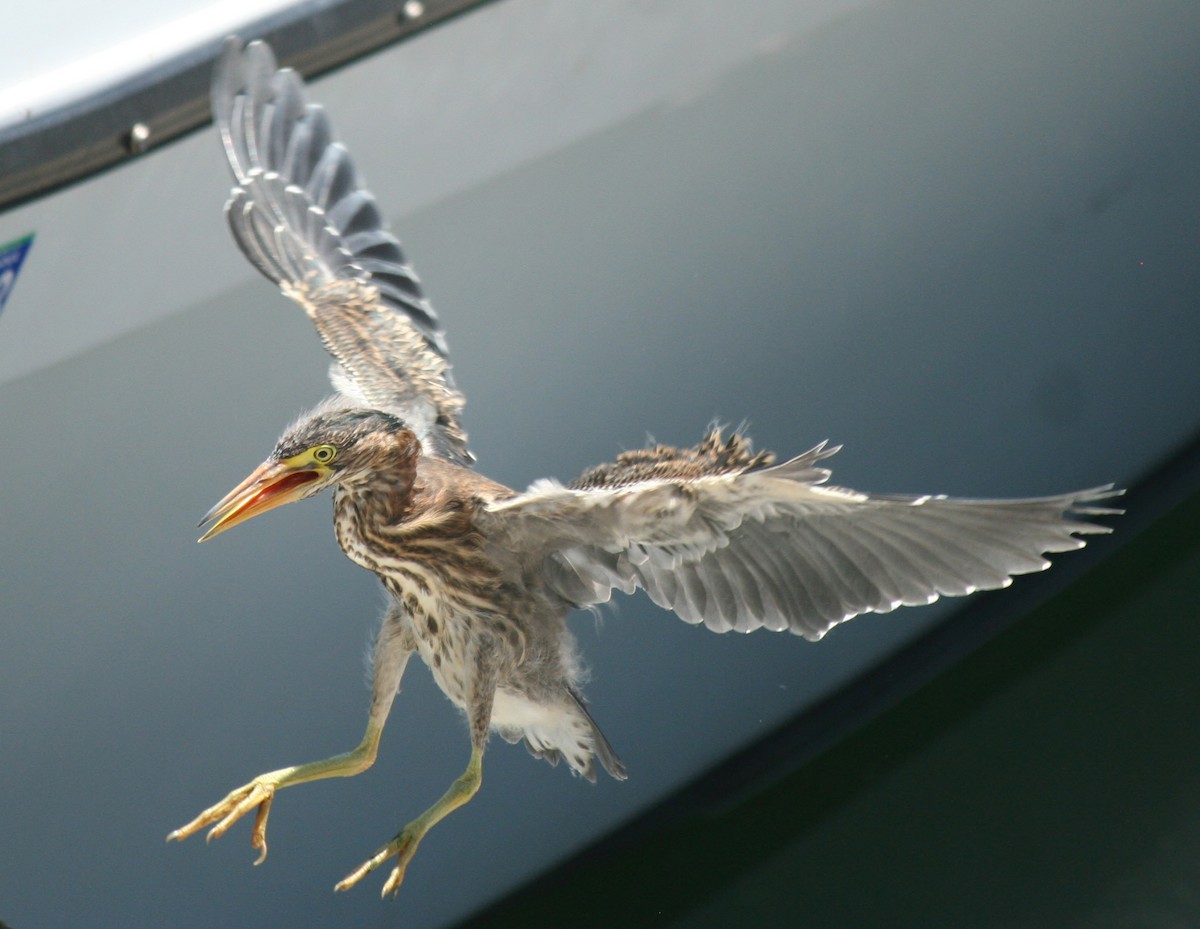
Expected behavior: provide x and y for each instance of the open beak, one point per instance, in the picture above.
(272, 484)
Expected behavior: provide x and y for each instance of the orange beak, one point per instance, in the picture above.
(272, 484)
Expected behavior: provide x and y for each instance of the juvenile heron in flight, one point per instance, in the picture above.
(481, 577)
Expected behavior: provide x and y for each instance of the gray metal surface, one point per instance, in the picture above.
(102, 106)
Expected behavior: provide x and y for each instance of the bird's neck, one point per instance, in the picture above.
(384, 496)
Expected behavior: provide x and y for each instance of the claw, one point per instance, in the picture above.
(392, 885)
(258, 835)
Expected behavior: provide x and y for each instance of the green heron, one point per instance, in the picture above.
(481, 577)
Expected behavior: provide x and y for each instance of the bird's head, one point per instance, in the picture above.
(324, 448)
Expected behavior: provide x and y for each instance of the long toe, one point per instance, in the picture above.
(255, 795)
(402, 847)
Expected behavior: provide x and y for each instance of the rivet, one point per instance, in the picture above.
(138, 138)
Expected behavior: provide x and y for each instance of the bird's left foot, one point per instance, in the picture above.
(403, 847)
(258, 793)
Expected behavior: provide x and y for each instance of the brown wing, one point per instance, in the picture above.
(302, 216)
(756, 545)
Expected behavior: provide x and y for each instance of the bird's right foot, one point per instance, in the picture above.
(258, 793)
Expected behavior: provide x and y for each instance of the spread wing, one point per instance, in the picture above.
(752, 545)
(302, 216)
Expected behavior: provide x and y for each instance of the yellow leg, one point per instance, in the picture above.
(261, 791)
(392, 651)
(404, 845)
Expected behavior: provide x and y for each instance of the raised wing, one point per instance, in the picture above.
(302, 216)
(745, 545)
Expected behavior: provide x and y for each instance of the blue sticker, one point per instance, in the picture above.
(12, 254)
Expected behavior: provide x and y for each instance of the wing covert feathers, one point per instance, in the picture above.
(713, 456)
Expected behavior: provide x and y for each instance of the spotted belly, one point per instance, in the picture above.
(458, 641)
(443, 638)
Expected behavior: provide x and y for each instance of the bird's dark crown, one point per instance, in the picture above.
(356, 433)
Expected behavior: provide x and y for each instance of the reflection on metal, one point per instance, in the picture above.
(69, 145)
(138, 139)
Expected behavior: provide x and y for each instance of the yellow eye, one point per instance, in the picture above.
(323, 454)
